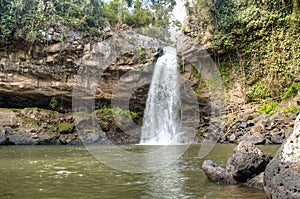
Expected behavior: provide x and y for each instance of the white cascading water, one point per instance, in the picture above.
(160, 123)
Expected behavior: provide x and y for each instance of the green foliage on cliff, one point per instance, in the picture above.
(268, 108)
(291, 91)
(116, 112)
(273, 107)
(258, 91)
(29, 17)
(65, 127)
(53, 103)
(258, 40)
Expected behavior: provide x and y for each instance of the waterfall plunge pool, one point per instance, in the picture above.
(72, 172)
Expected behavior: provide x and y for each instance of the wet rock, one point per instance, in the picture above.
(6, 141)
(243, 125)
(282, 175)
(6, 130)
(27, 138)
(257, 182)
(259, 130)
(67, 138)
(21, 138)
(247, 162)
(217, 174)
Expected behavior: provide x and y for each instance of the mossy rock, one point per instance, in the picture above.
(65, 127)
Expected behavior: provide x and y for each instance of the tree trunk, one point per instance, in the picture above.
(296, 10)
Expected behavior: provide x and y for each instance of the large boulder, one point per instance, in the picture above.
(247, 162)
(282, 175)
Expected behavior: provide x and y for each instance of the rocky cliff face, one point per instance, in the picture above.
(44, 75)
(31, 74)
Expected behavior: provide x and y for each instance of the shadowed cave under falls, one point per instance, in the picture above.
(162, 112)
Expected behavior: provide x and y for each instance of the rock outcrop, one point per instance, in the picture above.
(32, 74)
(33, 126)
(282, 175)
(258, 129)
(245, 164)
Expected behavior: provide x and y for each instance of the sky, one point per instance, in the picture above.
(179, 12)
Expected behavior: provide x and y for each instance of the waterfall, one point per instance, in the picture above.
(161, 115)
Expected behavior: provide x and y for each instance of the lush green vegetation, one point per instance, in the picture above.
(272, 107)
(29, 17)
(139, 13)
(291, 91)
(53, 103)
(256, 39)
(65, 126)
(268, 108)
(116, 112)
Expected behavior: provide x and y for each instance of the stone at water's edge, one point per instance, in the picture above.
(217, 174)
(256, 183)
(282, 175)
(245, 164)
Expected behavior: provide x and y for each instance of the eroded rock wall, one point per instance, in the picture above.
(31, 74)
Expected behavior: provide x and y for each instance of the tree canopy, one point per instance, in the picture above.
(30, 16)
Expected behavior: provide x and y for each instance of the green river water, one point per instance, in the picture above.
(72, 172)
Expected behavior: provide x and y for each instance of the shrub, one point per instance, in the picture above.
(14, 110)
(258, 91)
(53, 103)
